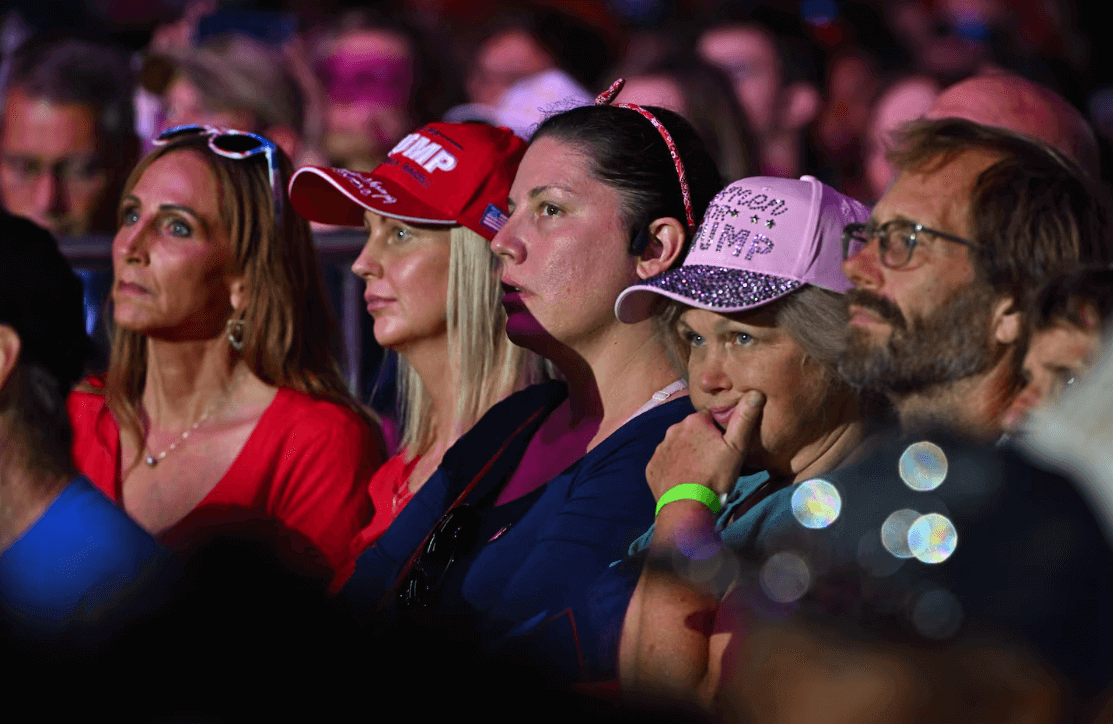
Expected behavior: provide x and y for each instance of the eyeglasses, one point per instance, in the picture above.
(233, 144)
(77, 170)
(455, 534)
(896, 240)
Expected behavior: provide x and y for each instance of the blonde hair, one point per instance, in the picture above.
(484, 364)
(287, 323)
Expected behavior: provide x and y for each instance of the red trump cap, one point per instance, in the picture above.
(444, 173)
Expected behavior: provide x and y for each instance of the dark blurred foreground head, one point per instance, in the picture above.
(936, 581)
(74, 568)
(44, 347)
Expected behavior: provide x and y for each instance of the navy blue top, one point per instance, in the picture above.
(82, 566)
(537, 556)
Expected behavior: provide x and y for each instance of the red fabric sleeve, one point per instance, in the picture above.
(96, 439)
(319, 488)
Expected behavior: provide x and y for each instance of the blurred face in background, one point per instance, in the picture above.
(750, 58)
(503, 60)
(186, 105)
(654, 90)
(907, 100)
(851, 86)
(1057, 357)
(949, 39)
(51, 170)
(368, 80)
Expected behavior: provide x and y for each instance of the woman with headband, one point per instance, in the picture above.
(432, 288)
(548, 488)
(223, 409)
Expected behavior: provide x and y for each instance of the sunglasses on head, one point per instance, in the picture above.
(233, 144)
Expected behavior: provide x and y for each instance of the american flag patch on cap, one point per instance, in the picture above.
(493, 218)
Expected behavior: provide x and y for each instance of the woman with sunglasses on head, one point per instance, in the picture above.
(548, 488)
(757, 310)
(432, 288)
(223, 409)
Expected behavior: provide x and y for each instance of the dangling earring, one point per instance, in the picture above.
(235, 334)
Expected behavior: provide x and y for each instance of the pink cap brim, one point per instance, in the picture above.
(715, 288)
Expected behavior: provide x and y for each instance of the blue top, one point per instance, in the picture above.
(83, 566)
(537, 556)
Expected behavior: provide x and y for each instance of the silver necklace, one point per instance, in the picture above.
(152, 460)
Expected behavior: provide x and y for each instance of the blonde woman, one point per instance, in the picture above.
(430, 212)
(223, 408)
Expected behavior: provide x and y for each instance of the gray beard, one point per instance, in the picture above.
(952, 344)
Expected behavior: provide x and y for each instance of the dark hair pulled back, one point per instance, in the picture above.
(628, 153)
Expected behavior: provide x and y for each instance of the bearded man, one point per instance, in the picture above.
(976, 221)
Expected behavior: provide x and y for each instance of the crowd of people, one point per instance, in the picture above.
(753, 369)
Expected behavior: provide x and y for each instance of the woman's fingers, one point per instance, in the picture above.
(742, 423)
(695, 451)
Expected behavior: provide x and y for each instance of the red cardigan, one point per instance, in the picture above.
(302, 475)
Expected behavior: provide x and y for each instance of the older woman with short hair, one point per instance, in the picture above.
(758, 308)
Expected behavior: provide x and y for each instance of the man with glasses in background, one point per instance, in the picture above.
(68, 143)
(67, 135)
(976, 221)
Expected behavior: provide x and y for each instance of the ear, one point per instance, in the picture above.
(1006, 320)
(284, 137)
(1088, 315)
(9, 352)
(666, 243)
(801, 104)
(238, 293)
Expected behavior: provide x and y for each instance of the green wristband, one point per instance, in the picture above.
(691, 491)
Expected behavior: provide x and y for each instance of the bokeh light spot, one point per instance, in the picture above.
(937, 614)
(874, 558)
(816, 503)
(923, 466)
(785, 577)
(894, 532)
(932, 538)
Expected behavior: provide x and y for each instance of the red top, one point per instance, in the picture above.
(304, 465)
(389, 490)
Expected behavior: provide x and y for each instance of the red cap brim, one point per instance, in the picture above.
(339, 197)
